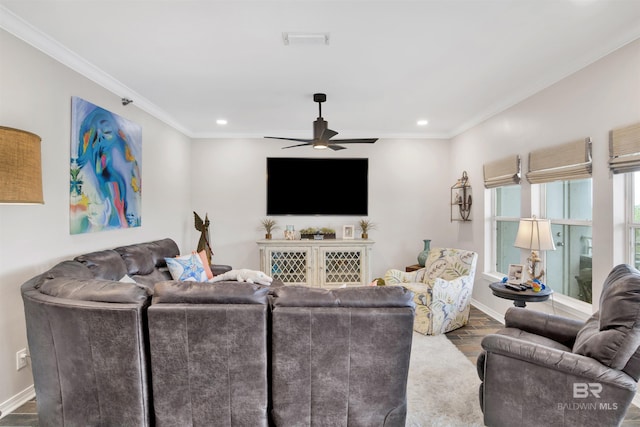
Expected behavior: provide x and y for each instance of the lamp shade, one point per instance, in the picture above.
(20, 167)
(535, 234)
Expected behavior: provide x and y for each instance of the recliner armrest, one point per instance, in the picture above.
(557, 360)
(557, 328)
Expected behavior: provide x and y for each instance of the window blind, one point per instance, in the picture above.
(562, 162)
(502, 172)
(624, 149)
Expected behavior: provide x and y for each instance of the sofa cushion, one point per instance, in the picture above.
(149, 280)
(94, 290)
(138, 259)
(66, 268)
(613, 336)
(231, 292)
(360, 296)
(107, 265)
(161, 249)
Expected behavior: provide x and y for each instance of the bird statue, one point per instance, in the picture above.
(203, 228)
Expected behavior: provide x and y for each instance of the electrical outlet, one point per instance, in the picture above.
(21, 359)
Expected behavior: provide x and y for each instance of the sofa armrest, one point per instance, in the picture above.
(557, 328)
(217, 269)
(397, 277)
(557, 360)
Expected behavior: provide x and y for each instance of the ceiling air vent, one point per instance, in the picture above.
(305, 38)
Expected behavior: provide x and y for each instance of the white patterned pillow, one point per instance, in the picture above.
(187, 268)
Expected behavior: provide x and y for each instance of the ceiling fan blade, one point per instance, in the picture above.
(290, 139)
(322, 134)
(356, 141)
(297, 145)
(328, 134)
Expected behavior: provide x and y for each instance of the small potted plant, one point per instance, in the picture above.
(308, 233)
(328, 233)
(268, 225)
(364, 225)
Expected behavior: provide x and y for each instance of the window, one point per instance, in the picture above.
(569, 206)
(633, 218)
(505, 220)
(502, 176)
(624, 158)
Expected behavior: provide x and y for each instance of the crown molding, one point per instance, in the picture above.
(26, 32)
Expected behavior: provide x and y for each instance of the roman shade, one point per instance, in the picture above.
(624, 149)
(562, 162)
(501, 172)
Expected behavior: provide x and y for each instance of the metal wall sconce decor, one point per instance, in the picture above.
(461, 199)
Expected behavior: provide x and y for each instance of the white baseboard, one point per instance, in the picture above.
(16, 401)
(487, 310)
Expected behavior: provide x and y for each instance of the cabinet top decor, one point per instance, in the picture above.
(307, 242)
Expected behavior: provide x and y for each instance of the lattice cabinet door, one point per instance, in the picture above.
(291, 265)
(342, 266)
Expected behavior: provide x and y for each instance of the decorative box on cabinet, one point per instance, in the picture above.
(321, 263)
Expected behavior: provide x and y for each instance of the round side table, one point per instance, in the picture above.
(520, 298)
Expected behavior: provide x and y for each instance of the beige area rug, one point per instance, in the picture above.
(443, 385)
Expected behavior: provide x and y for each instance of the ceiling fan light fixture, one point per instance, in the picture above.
(322, 134)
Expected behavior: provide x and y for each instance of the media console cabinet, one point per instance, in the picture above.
(328, 263)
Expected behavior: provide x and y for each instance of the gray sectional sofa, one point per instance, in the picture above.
(166, 353)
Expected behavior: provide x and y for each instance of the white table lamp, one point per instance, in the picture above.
(534, 234)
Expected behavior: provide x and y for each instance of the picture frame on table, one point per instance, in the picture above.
(348, 232)
(516, 274)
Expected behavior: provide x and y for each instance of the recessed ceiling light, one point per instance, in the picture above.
(422, 122)
(221, 121)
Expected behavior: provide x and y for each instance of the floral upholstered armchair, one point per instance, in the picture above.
(442, 289)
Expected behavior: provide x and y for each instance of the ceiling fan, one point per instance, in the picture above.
(322, 134)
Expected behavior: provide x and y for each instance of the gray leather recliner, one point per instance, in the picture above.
(208, 345)
(87, 335)
(548, 370)
(81, 376)
(340, 357)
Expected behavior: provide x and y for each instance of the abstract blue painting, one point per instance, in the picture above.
(106, 160)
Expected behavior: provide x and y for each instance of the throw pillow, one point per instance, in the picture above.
(205, 264)
(187, 268)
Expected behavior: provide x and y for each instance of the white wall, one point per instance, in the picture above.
(589, 103)
(409, 180)
(409, 197)
(35, 95)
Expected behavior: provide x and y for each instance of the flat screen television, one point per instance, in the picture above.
(317, 186)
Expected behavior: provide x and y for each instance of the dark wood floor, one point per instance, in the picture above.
(467, 339)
